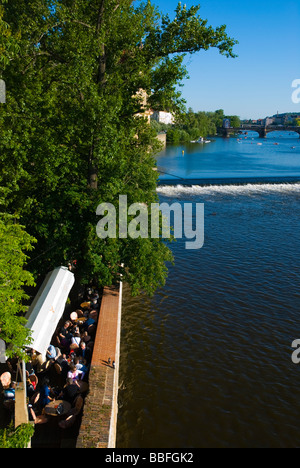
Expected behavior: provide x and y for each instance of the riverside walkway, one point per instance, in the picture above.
(99, 419)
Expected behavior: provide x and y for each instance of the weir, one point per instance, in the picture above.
(207, 182)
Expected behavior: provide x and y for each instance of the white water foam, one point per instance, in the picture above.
(247, 189)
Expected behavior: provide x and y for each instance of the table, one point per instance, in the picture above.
(50, 409)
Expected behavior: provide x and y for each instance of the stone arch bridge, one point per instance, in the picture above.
(261, 130)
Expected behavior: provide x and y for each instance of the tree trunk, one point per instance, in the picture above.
(102, 57)
(93, 171)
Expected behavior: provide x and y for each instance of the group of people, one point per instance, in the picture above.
(63, 373)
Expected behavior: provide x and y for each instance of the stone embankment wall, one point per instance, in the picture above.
(99, 420)
(162, 137)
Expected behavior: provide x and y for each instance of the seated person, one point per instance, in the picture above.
(89, 323)
(81, 365)
(79, 313)
(38, 362)
(51, 352)
(45, 393)
(95, 296)
(94, 315)
(75, 341)
(30, 387)
(12, 365)
(89, 294)
(9, 396)
(85, 337)
(95, 305)
(75, 330)
(70, 391)
(64, 365)
(37, 419)
(28, 365)
(64, 334)
(10, 392)
(74, 374)
(84, 352)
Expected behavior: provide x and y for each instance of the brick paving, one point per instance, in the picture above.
(97, 415)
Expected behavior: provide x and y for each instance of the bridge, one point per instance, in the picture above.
(260, 129)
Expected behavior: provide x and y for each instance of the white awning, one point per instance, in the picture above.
(48, 307)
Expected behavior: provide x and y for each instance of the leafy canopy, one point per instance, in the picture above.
(16, 438)
(14, 242)
(74, 134)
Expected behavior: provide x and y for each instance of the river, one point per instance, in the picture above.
(206, 362)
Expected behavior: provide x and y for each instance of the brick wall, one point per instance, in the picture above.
(99, 420)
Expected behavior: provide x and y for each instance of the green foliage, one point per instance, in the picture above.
(187, 33)
(14, 242)
(235, 121)
(166, 44)
(297, 122)
(16, 438)
(191, 125)
(8, 41)
(70, 135)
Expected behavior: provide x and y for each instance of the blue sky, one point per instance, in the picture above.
(259, 82)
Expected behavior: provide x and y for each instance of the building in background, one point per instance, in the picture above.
(146, 112)
(226, 123)
(163, 117)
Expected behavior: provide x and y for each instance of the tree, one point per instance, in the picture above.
(73, 134)
(190, 126)
(235, 121)
(14, 242)
(16, 438)
(8, 41)
(218, 117)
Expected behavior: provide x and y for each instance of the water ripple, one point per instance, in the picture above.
(207, 361)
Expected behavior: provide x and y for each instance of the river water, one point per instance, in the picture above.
(207, 361)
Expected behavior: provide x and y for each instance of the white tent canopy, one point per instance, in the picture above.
(48, 307)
